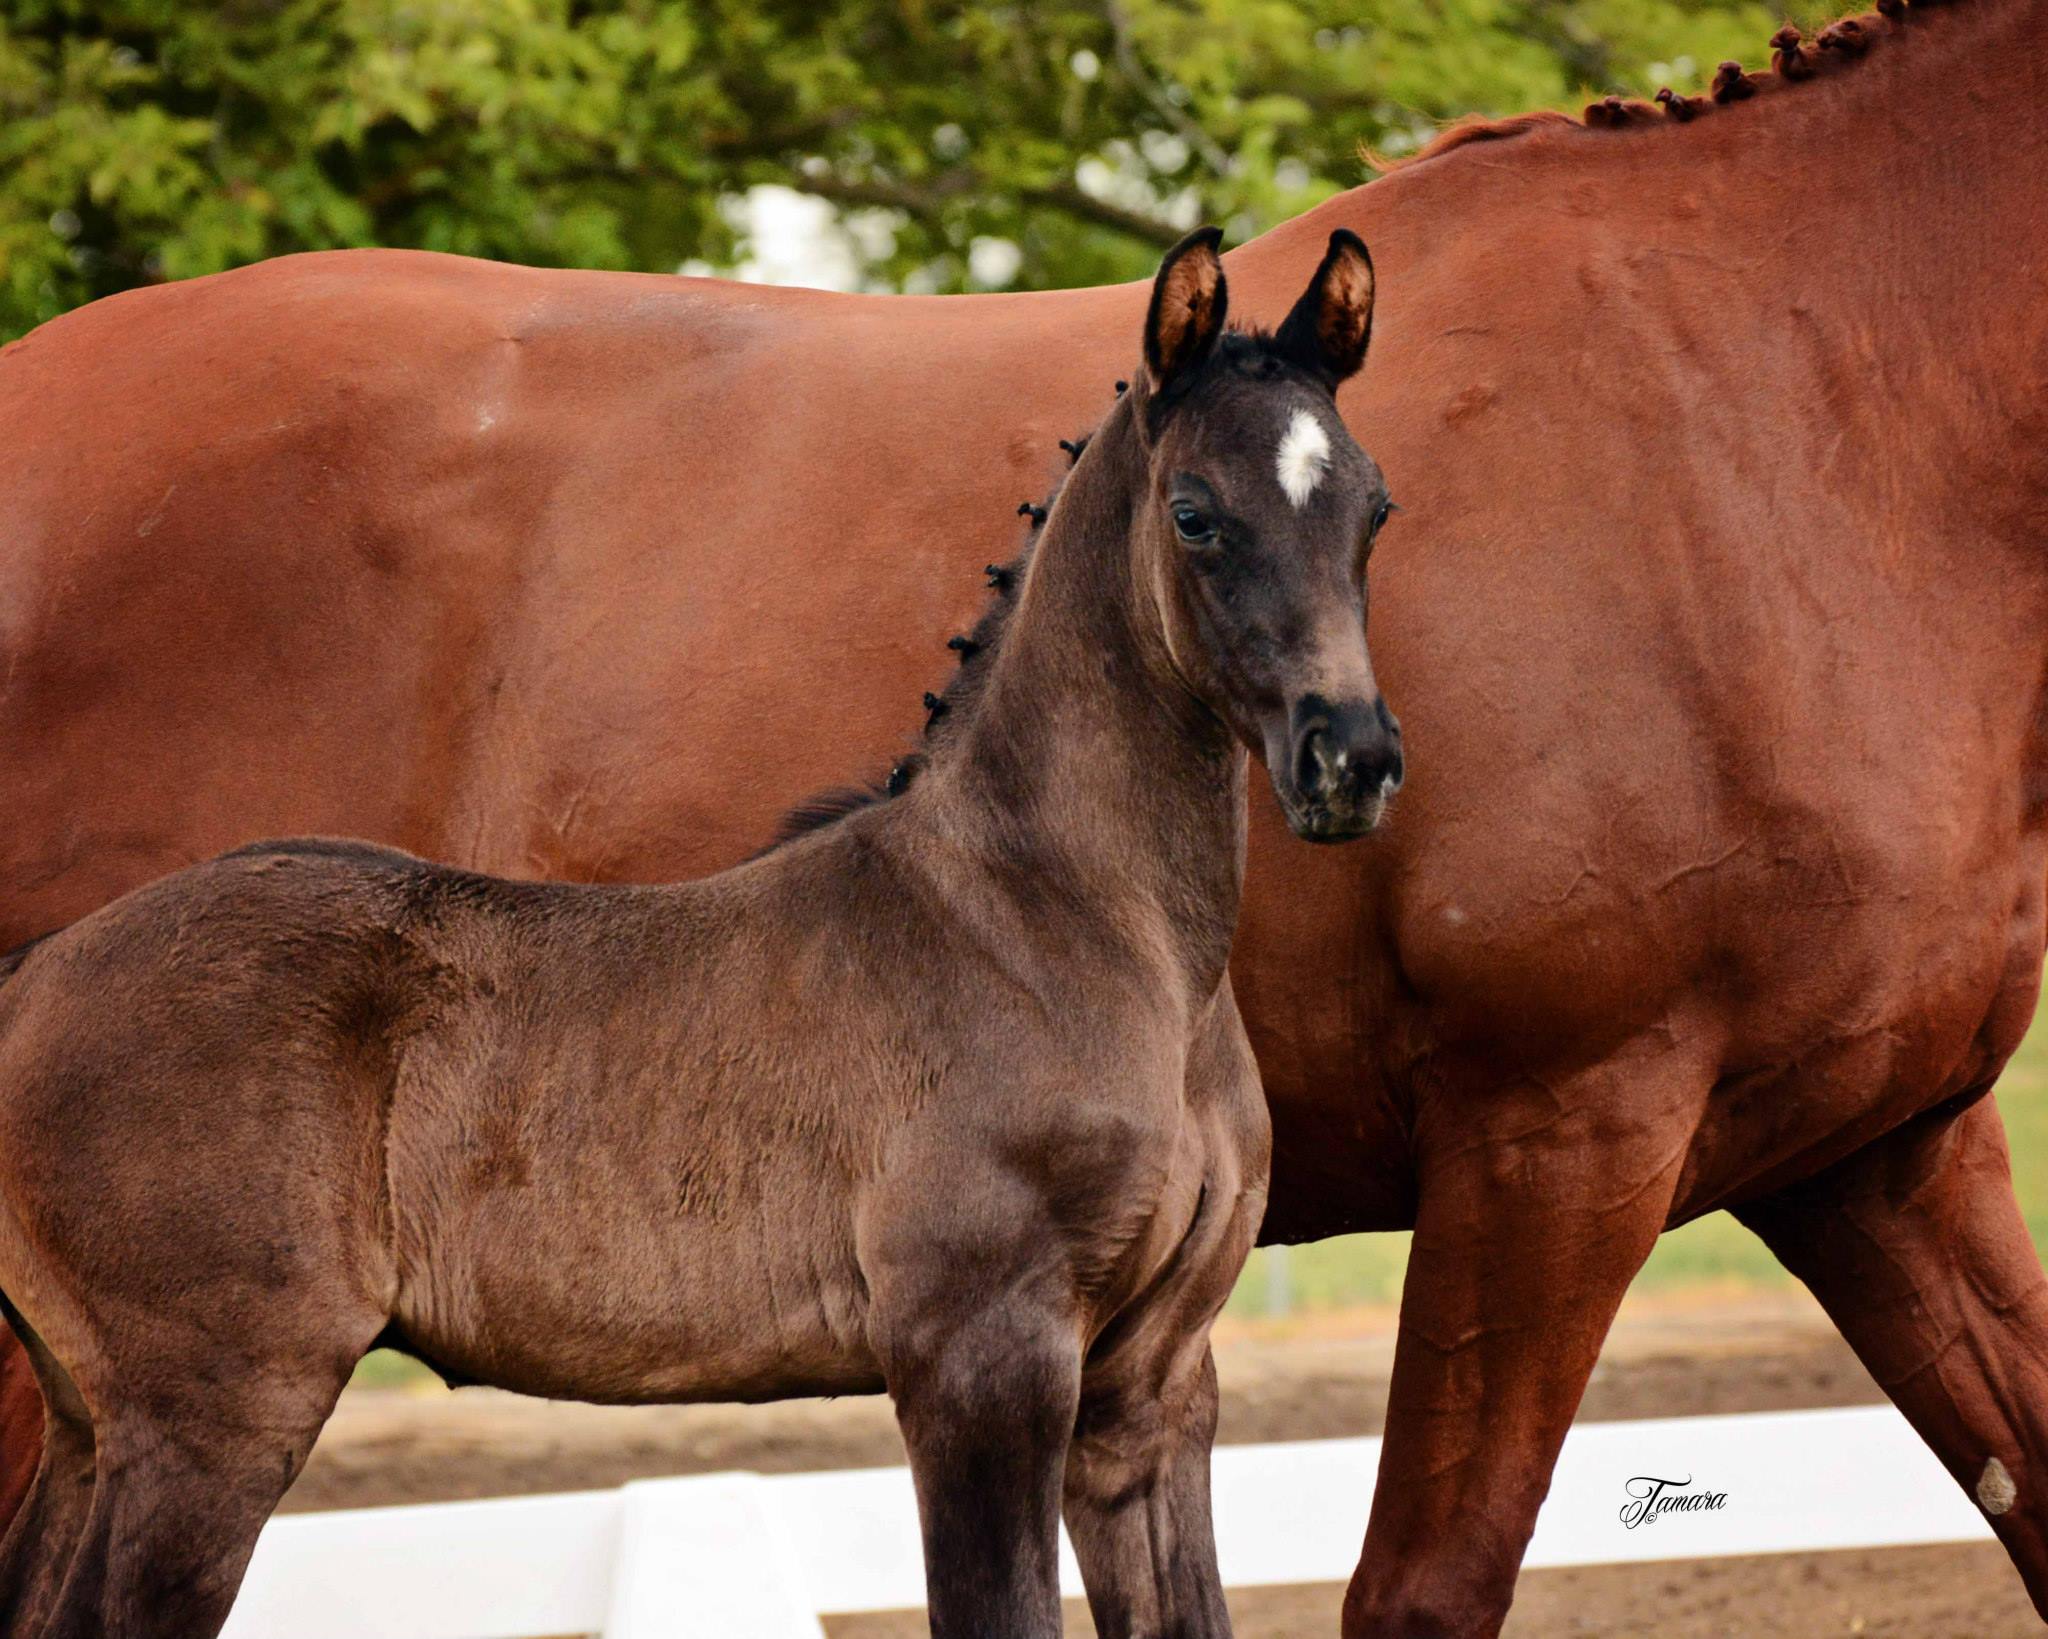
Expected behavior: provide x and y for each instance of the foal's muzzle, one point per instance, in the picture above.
(1344, 766)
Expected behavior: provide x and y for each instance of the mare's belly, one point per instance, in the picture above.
(1818, 1008)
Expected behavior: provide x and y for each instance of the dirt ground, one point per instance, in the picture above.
(1315, 1377)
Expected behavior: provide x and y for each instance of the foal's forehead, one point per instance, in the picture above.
(1287, 438)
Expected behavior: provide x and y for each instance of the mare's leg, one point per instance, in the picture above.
(986, 1404)
(37, 1546)
(1916, 1248)
(1537, 1206)
(1137, 1507)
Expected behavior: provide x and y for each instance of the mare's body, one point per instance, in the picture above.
(948, 1098)
(1718, 616)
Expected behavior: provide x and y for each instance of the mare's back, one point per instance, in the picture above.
(481, 561)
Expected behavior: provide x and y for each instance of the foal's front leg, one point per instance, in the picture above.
(1137, 1483)
(986, 1376)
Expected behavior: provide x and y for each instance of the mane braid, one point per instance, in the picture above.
(946, 709)
(1794, 59)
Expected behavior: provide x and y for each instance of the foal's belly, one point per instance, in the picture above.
(549, 1289)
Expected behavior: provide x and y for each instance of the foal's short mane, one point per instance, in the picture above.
(1794, 58)
(945, 710)
(1244, 349)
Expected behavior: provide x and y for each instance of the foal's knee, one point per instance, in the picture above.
(1016, 1371)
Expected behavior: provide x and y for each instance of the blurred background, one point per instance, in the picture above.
(880, 144)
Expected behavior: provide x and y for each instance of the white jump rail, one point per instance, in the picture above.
(749, 1556)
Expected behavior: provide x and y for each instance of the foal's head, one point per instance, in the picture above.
(1257, 526)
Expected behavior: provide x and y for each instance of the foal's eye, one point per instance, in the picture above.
(1386, 510)
(1191, 525)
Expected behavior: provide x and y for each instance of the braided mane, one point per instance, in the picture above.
(1242, 348)
(951, 705)
(1794, 58)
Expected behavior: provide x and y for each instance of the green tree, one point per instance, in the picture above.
(157, 139)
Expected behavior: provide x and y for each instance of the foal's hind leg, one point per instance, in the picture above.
(202, 1413)
(184, 1486)
(1916, 1248)
(37, 1548)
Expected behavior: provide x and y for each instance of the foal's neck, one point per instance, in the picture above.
(1087, 756)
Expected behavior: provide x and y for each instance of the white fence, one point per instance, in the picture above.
(749, 1556)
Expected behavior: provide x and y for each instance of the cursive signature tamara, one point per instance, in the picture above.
(1650, 1497)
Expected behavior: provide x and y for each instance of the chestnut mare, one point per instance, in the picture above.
(1718, 619)
(948, 1097)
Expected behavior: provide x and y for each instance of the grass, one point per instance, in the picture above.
(1366, 1269)
(386, 1369)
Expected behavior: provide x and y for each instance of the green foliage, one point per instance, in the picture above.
(152, 139)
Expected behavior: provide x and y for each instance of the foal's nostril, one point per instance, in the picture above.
(1309, 760)
(1386, 769)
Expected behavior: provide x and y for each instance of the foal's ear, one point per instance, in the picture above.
(1189, 299)
(1327, 332)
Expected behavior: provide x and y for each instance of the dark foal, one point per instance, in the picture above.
(948, 1098)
